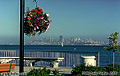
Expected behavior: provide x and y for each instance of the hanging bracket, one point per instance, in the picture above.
(35, 2)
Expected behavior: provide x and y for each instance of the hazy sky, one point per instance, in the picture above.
(70, 18)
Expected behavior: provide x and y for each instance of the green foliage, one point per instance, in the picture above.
(78, 70)
(39, 72)
(113, 42)
(109, 68)
(43, 72)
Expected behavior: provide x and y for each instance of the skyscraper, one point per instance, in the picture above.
(61, 38)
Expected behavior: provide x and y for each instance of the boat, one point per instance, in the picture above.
(62, 44)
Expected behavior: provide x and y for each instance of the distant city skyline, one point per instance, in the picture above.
(74, 18)
(61, 40)
(65, 41)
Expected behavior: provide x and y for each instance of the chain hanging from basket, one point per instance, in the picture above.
(36, 22)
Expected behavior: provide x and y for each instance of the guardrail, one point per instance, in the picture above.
(71, 58)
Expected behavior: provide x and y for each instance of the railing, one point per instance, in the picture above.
(71, 58)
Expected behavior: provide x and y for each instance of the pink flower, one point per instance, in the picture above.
(29, 18)
(41, 17)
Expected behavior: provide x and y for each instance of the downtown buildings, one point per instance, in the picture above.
(66, 41)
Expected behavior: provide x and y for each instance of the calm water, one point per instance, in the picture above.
(105, 56)
(54, 48)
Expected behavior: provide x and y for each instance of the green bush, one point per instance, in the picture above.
(78, 70)
(109, 68)
(43, 72)
(39, 72)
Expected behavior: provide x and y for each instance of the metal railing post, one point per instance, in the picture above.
(98, 59)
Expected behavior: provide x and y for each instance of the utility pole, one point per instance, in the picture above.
(21, 65)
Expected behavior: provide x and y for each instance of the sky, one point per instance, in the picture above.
(70, 18)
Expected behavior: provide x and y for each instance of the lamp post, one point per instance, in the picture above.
(21, 67)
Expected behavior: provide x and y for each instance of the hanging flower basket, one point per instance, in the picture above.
(36, 22)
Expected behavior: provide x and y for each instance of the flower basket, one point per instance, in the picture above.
(36, 22)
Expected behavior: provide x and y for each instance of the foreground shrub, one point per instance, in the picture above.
(56, 73)
(39, 72)
(108, 70)
(43, 72)
(78, 70)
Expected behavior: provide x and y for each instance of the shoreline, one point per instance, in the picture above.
(57, 45)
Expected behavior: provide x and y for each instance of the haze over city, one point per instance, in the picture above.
(70, 18)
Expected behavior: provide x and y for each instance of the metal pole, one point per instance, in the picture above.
(21, 36)
(113, 59)
(36, 4)
(98, 59)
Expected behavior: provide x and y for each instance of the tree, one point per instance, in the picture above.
(113, 44)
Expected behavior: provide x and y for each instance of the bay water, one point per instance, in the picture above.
(106, 57)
